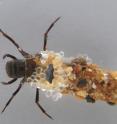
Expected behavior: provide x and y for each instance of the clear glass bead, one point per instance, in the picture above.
(56, 96)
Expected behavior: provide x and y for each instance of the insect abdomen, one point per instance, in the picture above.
(15, 68)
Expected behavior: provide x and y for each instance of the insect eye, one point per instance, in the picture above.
(49, 73)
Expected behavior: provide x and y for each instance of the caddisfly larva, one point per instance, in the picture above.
(57, 75)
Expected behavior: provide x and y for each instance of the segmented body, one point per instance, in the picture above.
(57, 75)
(77, 76)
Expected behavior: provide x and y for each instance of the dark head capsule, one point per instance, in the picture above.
(20, 68)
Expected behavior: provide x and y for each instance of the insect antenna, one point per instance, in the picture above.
(46, 33)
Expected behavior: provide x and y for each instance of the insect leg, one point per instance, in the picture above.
(10, 56)
(46, 33)
(14, 94)
(9, 82)
(25, 54)
(38, 104)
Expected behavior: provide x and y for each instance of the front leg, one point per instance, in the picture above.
(14, 94)
(38, 104)
(12, 80)
(25, 54)
(46, 33)
(9, 82)
(10, 56)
